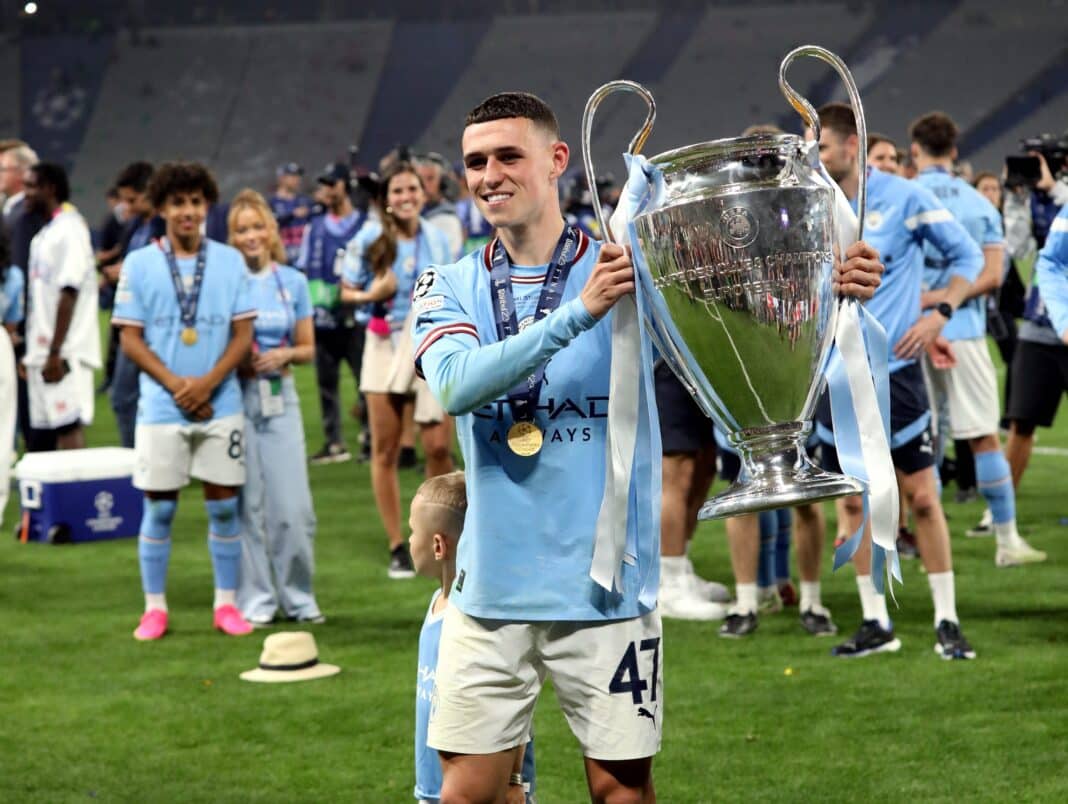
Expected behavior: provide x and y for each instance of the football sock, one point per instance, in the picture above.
(672, 567)
(153, 601)
(154, 547)
(224, 541)
(766, 567)
(224, 597)
(747, 598)
(810, 596)
(872, 603)
(994, 479)
(944, 596)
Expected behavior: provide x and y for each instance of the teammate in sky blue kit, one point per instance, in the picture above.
(277, 517)
(512, 341)
(970, 386)
(900, 217)
(183, 303)
(436, 522)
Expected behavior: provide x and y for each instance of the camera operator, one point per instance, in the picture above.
(1040, 365)
(1037, 187)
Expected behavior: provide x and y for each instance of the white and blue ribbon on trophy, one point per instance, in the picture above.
(859, 384)
(632, 417)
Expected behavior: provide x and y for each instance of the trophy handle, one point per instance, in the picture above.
(635, 144)
(808, 114)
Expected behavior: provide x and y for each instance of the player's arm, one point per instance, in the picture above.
(517, 791)
(931, 221)
(464, 376)
(197, 391)
(1051, 269)
(53, 369)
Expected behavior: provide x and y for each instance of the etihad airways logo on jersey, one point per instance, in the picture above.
(589, 407)
(564, 419)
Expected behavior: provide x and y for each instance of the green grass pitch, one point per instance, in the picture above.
(87, 713)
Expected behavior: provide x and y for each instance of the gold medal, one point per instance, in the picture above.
(524, 438)
(189, 336)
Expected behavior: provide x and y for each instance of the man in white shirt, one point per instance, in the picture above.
(62, 337)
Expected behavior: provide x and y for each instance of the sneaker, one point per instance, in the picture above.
(788, 593)
(984, 528)
(153, 625)
(680, 599)
(330, 453)
(906, 544)
(314, 619)
(709, 590)
(951, 643)
(400, 563)
(1020, 553)
(738, 625)
(229, 620)
(768, 601)
(818, 622)
(869, 638)
(260, 620)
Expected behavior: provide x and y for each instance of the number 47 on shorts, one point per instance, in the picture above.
(628, 679)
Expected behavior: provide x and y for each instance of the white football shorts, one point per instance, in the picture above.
(166, 455)
(608, 677)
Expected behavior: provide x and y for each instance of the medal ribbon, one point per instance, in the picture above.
(187, 302)
(524, 397)
(290, 315)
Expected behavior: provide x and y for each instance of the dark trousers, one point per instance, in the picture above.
(33, 440)
(125, 391)
(332, 347)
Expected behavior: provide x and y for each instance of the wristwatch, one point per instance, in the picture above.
(945, 309)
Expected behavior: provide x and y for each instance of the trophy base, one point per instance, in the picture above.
(778, 479)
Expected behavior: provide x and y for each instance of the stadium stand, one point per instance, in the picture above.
(241, 99)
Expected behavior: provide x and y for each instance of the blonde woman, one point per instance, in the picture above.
(277, 559)
(382, 264)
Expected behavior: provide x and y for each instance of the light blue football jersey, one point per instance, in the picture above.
(146, 298)
(430, 247)
(983, 222)
(900, 217)
(1051, 270)
(530, 527)
(427, 763)
(281, 299)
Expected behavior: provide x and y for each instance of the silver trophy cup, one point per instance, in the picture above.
(740, 243)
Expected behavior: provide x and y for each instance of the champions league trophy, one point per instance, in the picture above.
(739, 239)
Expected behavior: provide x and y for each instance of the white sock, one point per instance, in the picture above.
(1006, 534)
(944, 596)
(225, 597)
(810, 597)
(673, 566)
(871, 602)
(155, 602)
(747, 598)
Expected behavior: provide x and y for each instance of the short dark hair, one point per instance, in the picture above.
(838, 117)
(935, 132)
(504, 105)
(875, 139)
(135, 175)
(55, 176)
(181, 177)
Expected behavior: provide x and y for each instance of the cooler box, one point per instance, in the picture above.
(79, 495)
